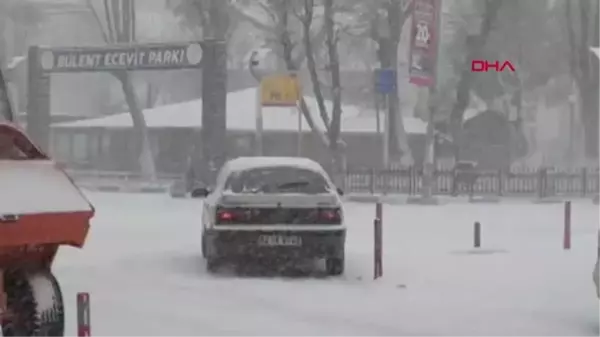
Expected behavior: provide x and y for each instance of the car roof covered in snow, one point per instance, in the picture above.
(241, 164)
(248, 163)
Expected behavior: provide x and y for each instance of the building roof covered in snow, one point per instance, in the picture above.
(241, 117)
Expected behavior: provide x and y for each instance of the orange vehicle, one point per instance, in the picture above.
(40, 210)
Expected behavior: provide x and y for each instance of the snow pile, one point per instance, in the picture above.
(43, 292)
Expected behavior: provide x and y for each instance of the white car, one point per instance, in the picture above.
(274, 208)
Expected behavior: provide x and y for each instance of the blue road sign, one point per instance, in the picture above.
(385, 81)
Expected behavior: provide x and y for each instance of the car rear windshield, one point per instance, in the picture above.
(277, 180)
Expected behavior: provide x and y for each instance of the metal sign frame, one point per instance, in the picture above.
(208, 55)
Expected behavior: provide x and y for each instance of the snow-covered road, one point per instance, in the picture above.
(143, 269)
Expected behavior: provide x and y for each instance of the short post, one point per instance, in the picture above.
(83, 315)
(378, 247)
(567, 225)
(477, 235)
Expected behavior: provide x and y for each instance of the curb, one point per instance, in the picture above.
(550, 200)
(125, 189)
(375, 198)
(485, 200)
(420, 200)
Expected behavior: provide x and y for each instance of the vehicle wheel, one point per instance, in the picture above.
(22, 307)
(335, 266)
(52, 320)
(204, 245)
(212, 264)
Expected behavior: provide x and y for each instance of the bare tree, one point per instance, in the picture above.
(206, 18)
(120, 23)
(583, 33)
(24, 17)
(474, 46)
(386, 30)
(332, 122)
(336, 86)
(293, 52)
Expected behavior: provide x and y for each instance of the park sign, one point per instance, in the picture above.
(126, 57)
(279, 90)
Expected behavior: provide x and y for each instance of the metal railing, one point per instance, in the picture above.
(543, 182)
(91, 176)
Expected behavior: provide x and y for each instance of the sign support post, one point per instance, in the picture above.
(278, 90)
(385, 84)
(423, 61)
(259, 122)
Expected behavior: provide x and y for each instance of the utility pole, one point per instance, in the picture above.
(214, 85)
(258, 116)
(425, 43)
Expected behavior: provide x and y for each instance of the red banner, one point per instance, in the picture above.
(424, 42)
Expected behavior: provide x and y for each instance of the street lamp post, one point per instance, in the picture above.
(258, 135)
(571, 149)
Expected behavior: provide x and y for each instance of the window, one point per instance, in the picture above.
(277, 180)
(80, 147)
(61, 146)
(104, 143)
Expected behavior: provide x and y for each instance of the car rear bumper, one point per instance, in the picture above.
(240, 244)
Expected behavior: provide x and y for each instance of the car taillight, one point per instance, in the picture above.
(225, 215)
(330, 216)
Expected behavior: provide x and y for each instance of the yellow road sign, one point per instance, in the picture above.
(279, 90)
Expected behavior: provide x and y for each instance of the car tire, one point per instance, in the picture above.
(334, 266)
(212, 264)
(21, 302)
(203, 245)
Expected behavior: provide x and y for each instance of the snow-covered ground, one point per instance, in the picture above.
(143, 269)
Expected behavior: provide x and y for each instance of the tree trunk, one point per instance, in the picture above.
(120, 17)
(397, 130)
(589, 115)
(474, 47)
(334, 67)
(287, 47)
(141, 135)
(312, 64)
(396, 16)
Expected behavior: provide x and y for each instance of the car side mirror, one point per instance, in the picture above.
(340, 191)
(200, 192)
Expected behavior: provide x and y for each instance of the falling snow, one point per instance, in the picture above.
(144, 271)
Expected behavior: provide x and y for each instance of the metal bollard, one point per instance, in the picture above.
(567, 226)
(477, 235)
(378, 242)
(83, 315)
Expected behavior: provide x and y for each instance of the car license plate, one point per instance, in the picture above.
(280, 240)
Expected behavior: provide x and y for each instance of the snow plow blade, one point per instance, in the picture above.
(43, 208)
(40, 206)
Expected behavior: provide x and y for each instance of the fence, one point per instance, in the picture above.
(542, 182)
(121, 181)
